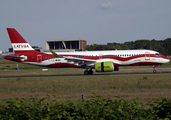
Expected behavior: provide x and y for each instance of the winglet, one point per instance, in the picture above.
(54, 54)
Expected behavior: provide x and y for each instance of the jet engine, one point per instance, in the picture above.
(105, 67)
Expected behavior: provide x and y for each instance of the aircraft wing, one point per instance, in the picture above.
(81, 61)
(88, 62)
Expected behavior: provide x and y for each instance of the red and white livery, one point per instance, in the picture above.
(101, 61)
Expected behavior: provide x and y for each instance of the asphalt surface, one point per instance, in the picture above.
(113, 74)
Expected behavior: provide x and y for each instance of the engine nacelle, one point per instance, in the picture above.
(104, 67)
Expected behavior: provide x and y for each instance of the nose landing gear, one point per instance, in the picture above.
(154, 70)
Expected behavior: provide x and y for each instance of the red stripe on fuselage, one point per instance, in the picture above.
(143, 64)
(115, 57)
(73, 65)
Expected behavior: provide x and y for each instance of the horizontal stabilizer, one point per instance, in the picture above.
(15, 57)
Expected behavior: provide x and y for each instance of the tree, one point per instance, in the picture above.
(124, 47)
(162, 46)
(167, 46)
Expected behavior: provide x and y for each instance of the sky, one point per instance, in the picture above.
(97, 21)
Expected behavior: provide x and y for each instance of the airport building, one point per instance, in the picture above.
(66, 45)
(61, 45)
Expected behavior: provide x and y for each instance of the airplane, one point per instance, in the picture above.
(101, 61)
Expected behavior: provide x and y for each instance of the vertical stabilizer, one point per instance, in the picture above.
(19, 44)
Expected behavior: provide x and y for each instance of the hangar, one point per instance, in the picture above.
(66, 45)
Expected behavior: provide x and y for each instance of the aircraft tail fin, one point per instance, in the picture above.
(19, 44)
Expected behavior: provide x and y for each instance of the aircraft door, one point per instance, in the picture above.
(100, 56)
(147, 56)
(39, 58)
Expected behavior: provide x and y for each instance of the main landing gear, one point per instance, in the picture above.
(154, 70)
(88, 71)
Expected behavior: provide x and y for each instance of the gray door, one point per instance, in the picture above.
(147, 56)
(100, 56)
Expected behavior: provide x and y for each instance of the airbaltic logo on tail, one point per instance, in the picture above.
(21, 46)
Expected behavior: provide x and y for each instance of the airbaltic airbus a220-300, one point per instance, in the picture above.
(101, 61)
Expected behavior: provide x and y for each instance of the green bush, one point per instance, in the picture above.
(96, 107)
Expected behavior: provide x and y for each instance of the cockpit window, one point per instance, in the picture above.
(158, 54)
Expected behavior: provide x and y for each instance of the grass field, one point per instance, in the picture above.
(149, 86)
(129, 87)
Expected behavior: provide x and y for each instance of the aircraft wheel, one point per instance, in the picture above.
(85, 72)
(90, 72)
(154, 71)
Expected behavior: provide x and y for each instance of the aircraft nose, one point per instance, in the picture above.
(166, 60)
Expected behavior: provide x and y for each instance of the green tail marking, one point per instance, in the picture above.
(54, 54)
